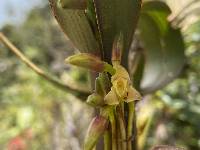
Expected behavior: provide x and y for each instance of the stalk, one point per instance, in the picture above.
(119, 142)
(107, 140)
(122, 127)
(113, 130)
(131, 107)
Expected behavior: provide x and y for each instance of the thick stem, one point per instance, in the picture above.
(107, 140)
(119, 142)
(122, 127)
(131, 117)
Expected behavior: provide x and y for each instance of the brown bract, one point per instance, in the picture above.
(97, 127)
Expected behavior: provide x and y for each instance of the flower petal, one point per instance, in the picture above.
(120, 72)
(133, 95)
(111, 98)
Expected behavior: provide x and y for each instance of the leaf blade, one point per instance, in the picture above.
(114, 18)
(75, 25)
(164, 50)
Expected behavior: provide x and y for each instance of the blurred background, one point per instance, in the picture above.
(37, 116)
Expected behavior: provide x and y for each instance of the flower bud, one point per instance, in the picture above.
(96, 129)
(95, 100)
(73, 4)
(91, 62)
(120, 73)
(102, 84)
(117, 49)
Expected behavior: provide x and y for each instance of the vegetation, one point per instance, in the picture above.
(38, 115)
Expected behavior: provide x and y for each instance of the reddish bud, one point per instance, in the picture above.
(117, 49)
(96, 129)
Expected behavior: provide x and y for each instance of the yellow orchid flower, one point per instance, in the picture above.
(121, 90)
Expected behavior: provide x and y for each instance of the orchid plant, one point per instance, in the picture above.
(102, 30)
(110, 96)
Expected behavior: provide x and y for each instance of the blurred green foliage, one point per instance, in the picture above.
(178, 114)
(29, 102)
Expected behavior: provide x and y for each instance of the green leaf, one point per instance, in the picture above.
(159, 12)
(115, 17)
(76, 26)
(138, 69)
(163, 46)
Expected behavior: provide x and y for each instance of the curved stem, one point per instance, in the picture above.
(56, 82)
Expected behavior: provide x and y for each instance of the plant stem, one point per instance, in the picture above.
(56, 82)
(113, 129)
(131, 117)
(107, 140)
(122, 127)
(119, 142)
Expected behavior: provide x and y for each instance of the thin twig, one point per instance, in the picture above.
(56, 82)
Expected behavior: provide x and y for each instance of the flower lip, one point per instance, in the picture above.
(122, 89)
(121, 86)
